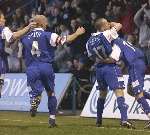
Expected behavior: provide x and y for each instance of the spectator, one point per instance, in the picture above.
(74, 13)
(127, 19)
(142, 20)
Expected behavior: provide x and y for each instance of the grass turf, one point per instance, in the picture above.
(20, 123)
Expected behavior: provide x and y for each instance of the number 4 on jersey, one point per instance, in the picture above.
(35, 49)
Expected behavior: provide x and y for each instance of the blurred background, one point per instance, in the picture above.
(64, 17)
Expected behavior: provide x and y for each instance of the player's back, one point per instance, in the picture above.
(36, 47)
(129, 53)
(98, 46)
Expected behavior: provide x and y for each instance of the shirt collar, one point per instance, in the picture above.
(95, 34)
(38, 29)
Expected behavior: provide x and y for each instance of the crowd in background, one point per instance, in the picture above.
(65, 16)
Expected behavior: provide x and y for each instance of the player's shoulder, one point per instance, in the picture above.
(95, 36)
(47, 33)
(118, 40)
(4, 28)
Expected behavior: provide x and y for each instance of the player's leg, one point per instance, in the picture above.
(34, 82)
(123, 107)
(1, 83)
(100, 107)
(48, 78)
(115, 81)
(136, 73)
(146, 95)
(102, 87)
(145, 106)
(52, 106)
(35, 96)
(3, 70)
(131, 92)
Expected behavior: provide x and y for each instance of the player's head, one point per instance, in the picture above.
(41, 21)
(102, 24)
(2, 19)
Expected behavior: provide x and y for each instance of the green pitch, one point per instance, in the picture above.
(20, 123)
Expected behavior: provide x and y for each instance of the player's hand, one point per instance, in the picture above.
(80, 31)
(32, 25)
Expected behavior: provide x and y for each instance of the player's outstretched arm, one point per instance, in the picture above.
(116, 25)
(23, 31)
(73, 36)
(56, 40)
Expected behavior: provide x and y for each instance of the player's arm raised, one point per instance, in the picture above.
(23, 31)
(112, 34)
(12, 36)
(56, 40)
(73, 36)
(116, 25)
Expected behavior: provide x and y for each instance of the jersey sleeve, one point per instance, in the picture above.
(56, 40)
(7, 34)
(110, 34)
(116, 52)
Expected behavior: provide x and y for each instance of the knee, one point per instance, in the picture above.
(103, 94)
(130, 90)
(138, 96)
(119, 93)
(50, 93)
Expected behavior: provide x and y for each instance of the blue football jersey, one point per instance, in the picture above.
(98, 46)
(125, 51)
(36, 47)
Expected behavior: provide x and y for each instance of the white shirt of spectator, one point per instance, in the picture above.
(115, 54)
(109, 34)
(7, 34)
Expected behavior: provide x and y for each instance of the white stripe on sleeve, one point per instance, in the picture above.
(57, 40)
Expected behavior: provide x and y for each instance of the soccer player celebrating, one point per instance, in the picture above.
(37, 48)
(134, 60)
(99, 47)
(7, 35)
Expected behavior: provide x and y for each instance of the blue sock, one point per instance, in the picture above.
(100, 108)
(145, 105)
(123, 107)
(52, 104)
(146, 95)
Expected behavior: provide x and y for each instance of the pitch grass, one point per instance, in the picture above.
(20, 123)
